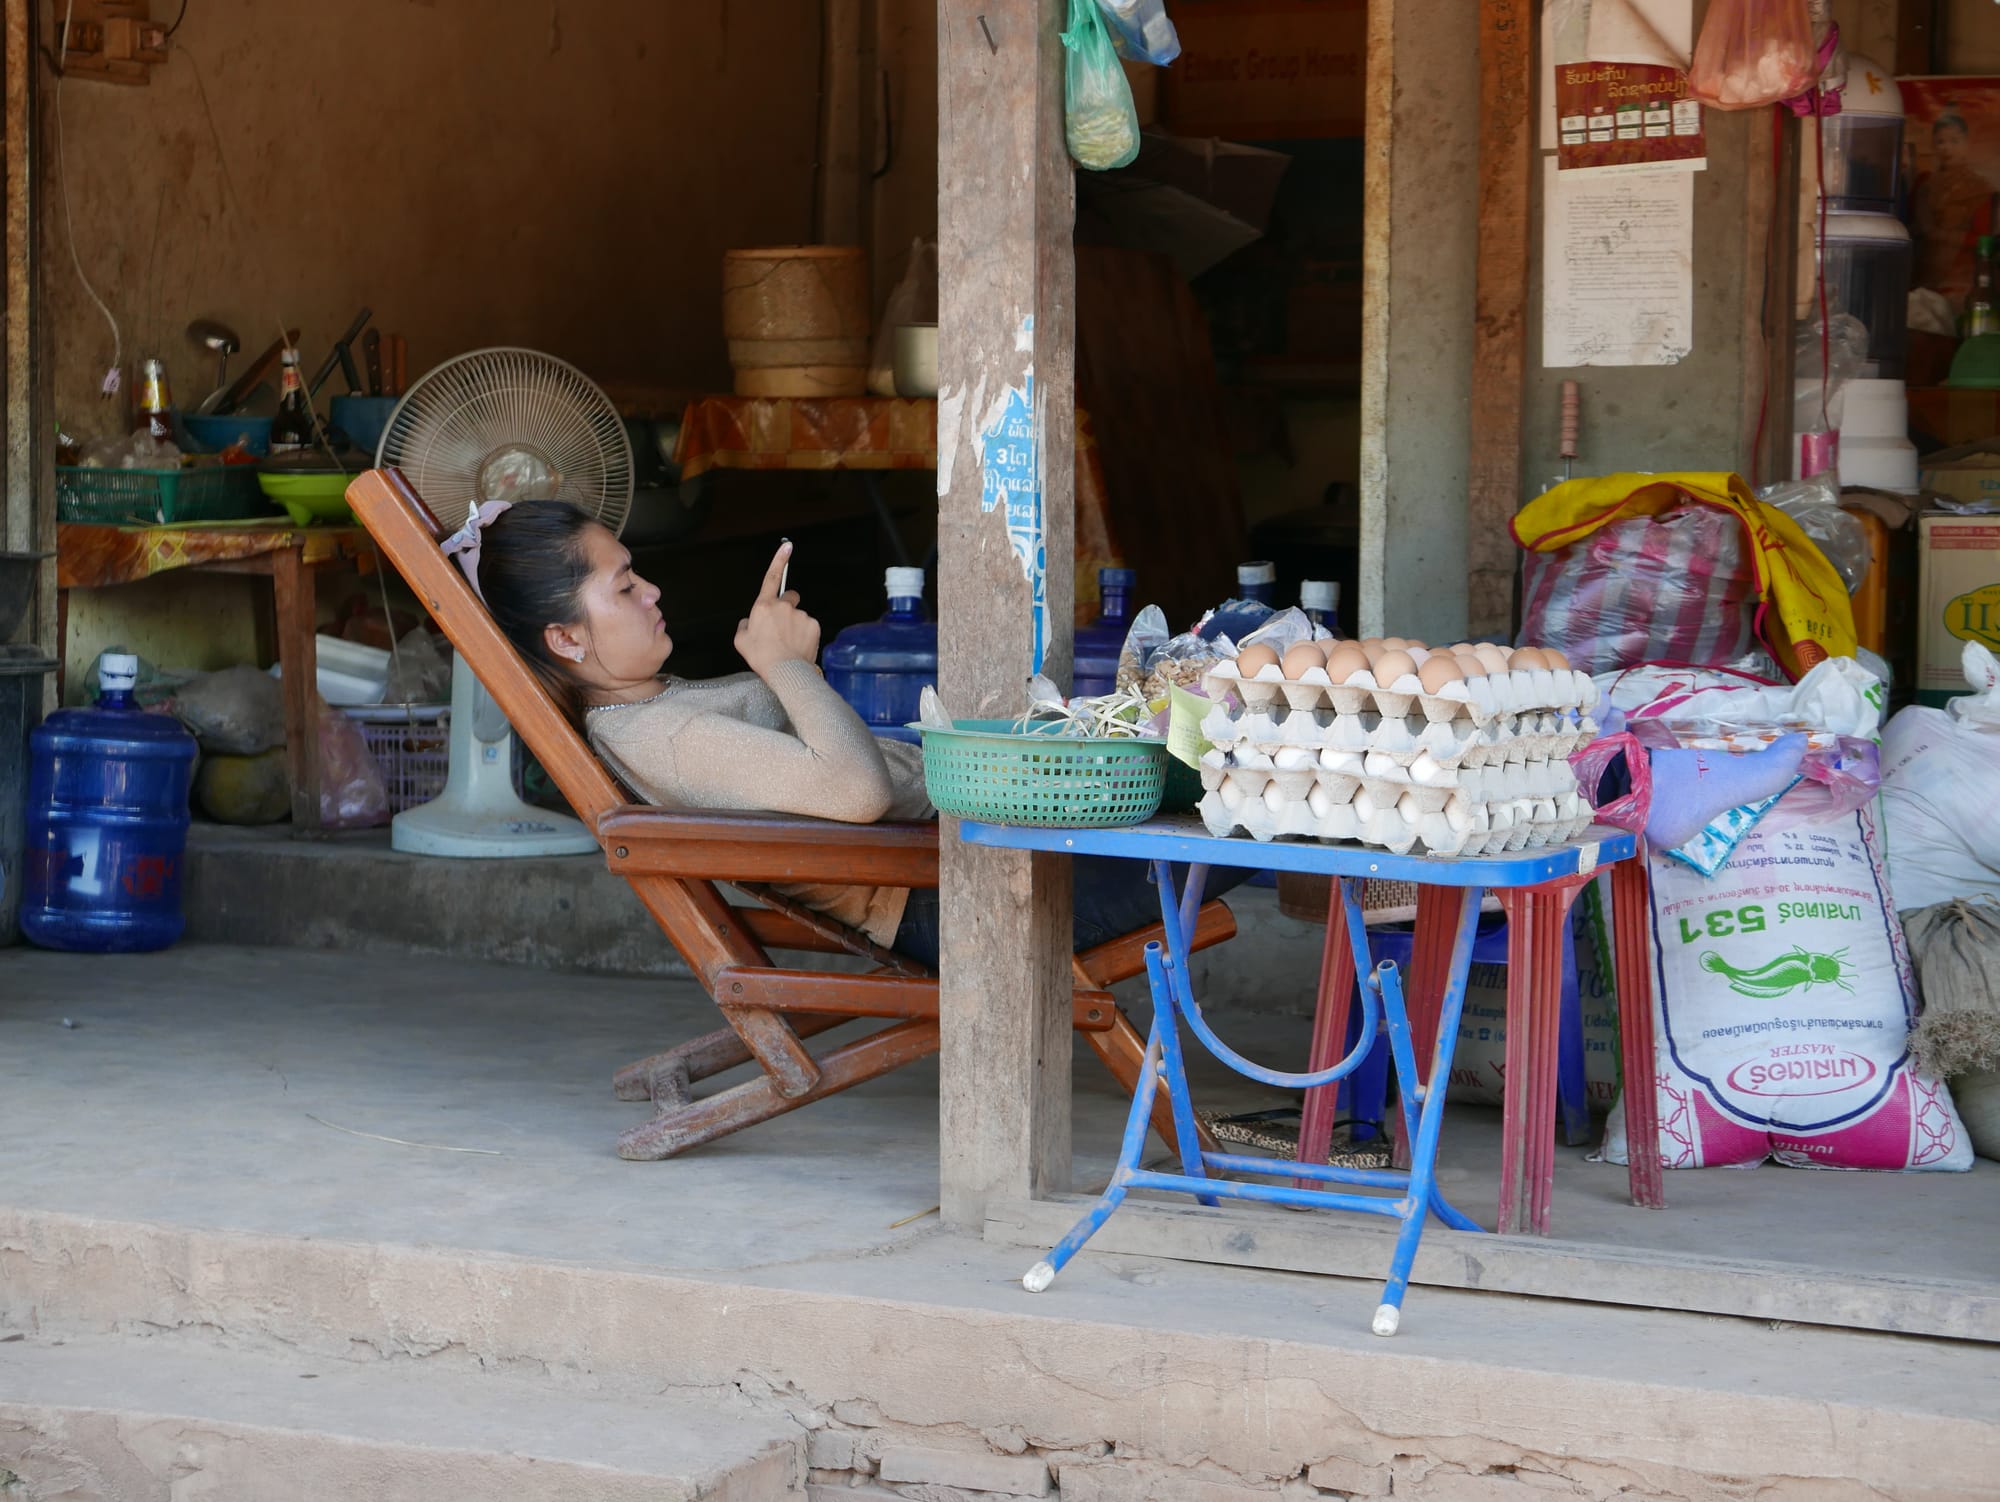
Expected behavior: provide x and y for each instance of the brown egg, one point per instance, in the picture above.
(1253, 660)
(1302, 658)
(1371, 648)
(1469, 665)
(1394, 644)
(1438, 670)
(1392, 666)
(1344, 661)
(1556, 660)
(1461, 649)
(1493, 657)
(1527, 660)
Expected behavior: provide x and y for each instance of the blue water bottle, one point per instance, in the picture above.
(881, 667)
(107, 823)
(1099, 644)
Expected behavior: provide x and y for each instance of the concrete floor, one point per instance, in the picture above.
(224, 1087)
(208, 1099)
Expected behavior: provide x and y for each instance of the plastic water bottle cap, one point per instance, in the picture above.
(1117, 578)
(1256, 573)
(906, 583)
(117, 672)
(1319, 594)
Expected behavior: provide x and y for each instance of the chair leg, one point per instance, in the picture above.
(1430, 973)
(698, 1058)
(1329, 1037)
(676, 1130)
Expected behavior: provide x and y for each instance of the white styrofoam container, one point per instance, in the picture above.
(349, 672)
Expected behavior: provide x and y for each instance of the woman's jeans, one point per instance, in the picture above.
(1112, 898)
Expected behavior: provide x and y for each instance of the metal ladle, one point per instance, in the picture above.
(209, 334)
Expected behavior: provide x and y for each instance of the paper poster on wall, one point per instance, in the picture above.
(1615, 95)
(1617, 268)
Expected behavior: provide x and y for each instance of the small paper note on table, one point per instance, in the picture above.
(1618, 268)
(1185, 712)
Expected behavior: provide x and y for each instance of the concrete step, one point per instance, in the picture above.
(133, 1417)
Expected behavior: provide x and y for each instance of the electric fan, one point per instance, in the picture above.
(501, 425)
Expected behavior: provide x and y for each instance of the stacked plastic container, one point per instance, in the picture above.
(1447, 751)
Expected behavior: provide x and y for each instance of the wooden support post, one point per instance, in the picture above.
(1506, 134)
(27, 504)
(1006, 405)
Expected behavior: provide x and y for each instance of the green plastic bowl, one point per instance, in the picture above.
(308, 497)
(1976, 366)
(988, 770)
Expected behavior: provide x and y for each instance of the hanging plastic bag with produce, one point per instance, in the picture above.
(1752, 53)
(1099, 119)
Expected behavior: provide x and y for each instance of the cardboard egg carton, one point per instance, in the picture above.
(1295, 771)
(1481, 699)
(1400, 826)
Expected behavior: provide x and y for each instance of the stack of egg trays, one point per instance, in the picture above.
(1480, 768)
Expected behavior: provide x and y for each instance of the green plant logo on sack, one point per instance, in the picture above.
(1795, 970)
(1975, 616)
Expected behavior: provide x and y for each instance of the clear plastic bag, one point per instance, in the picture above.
(913, 300)
(1099, 119)
(1815, 505)
(1752, 53)
(1141, 31)
(351, 792)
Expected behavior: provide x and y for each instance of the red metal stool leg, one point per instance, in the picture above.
(1329, 1040)
(1535, 919)
(1630, 926)
(1423, 989)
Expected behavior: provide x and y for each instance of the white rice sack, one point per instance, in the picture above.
(1783, 1002)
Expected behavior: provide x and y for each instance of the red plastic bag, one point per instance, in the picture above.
(1752, 53)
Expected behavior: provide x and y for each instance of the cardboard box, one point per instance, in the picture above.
(1968, 474)
(1959, 572)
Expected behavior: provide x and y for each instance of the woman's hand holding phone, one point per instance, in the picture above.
(776, 630)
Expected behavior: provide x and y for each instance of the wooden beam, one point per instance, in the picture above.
(27, 476)
(1506, 134)
(1919, 36)
(1006, 408)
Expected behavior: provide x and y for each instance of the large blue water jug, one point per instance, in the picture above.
(107, 823)
(881, 667)
(1099, 643)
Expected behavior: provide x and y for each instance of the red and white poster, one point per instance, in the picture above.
(1616, 92)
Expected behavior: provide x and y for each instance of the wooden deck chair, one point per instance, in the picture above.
(676, 862)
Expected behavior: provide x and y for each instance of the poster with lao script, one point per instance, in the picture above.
(1626, 116)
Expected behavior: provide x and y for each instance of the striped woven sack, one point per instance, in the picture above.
(1669, 588)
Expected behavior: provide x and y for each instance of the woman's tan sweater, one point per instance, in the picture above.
(789, 745)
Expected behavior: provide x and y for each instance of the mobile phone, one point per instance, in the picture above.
(784, 574)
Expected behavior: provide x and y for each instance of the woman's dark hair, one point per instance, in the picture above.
(1951, 121)
(532, 569)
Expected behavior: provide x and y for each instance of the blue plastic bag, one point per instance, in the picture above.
(1141, 31)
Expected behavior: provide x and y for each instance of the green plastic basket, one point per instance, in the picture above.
(147, 497)
(988, 770)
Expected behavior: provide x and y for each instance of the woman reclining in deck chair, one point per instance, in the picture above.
(776, 739)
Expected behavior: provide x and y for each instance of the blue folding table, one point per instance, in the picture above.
(1183, 841)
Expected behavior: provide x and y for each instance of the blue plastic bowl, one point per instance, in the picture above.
(362, 419)
(211, 435)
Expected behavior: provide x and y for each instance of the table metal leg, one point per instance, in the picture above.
(1536, 917)
(1423, 1191)
(1630, 926)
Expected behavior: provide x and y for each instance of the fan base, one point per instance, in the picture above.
(491, 833)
